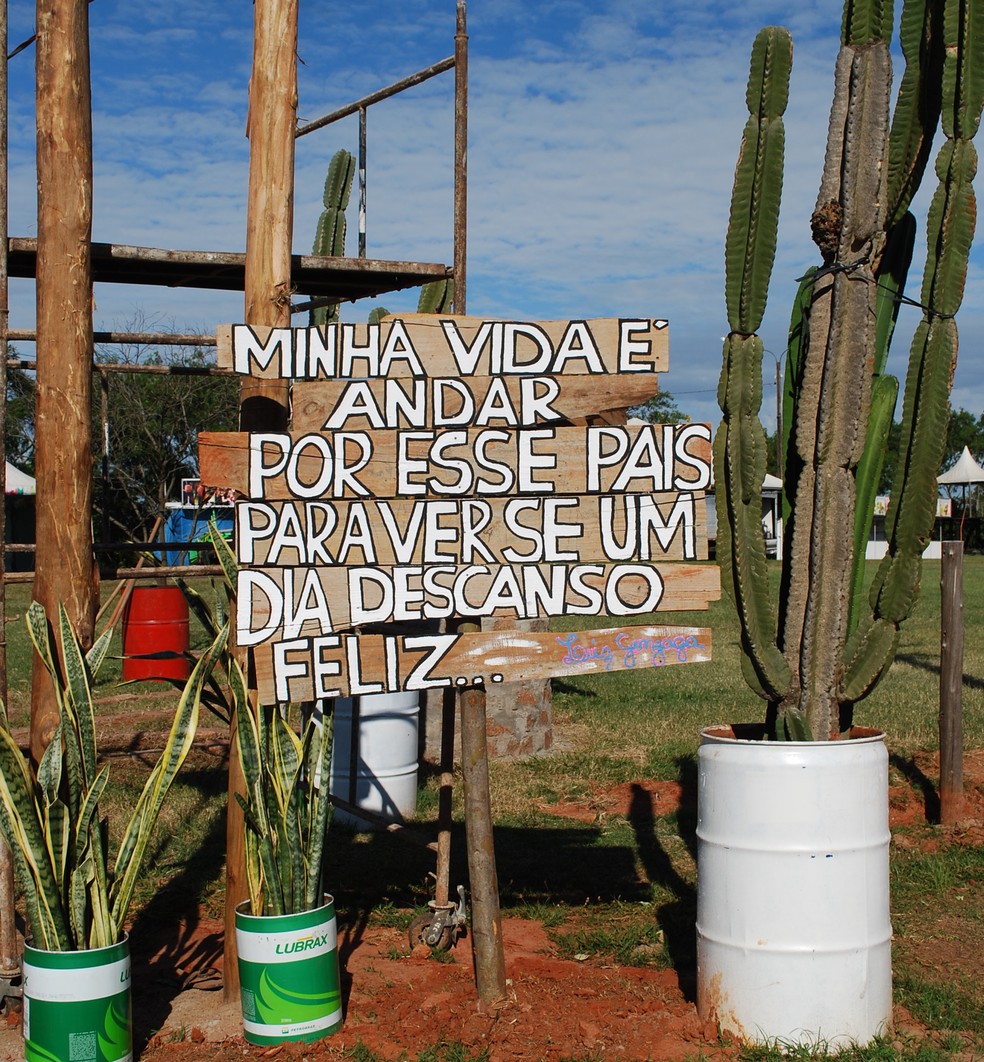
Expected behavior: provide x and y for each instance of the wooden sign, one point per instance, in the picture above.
(443, 467)
(429, 345)
(553, 529)
(285, 603)
(459, 462)
(454, 401)
(341, 665)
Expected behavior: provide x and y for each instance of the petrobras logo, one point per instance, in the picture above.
(312, 942)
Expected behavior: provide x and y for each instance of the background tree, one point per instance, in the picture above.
(154, 420)
(660, 409)
(19, 433)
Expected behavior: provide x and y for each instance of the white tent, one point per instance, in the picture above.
(19, 482)
(964, 473)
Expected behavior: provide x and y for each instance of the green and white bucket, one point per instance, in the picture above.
(288, 974)
(77, 1005)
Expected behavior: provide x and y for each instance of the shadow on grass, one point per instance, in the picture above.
(166, 941)
(677, 916)
(930, 663)
(564, 865)
(915, 776)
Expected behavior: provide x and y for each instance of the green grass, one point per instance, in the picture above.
(622, 886)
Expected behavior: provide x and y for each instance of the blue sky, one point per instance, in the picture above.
(603, 137)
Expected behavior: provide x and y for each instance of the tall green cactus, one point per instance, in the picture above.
(826, 647)
(329, 238)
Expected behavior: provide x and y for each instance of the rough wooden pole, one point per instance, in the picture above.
(263, 403)
(9, 965)
(951, 684)
(486, 921)
(460, 157)
(270, 206)
(64, 569)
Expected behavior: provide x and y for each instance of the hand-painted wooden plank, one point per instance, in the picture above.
(285, 603)
(445, 345)
(462, 401)
(339, 665)
(459, 462)
(555, 529)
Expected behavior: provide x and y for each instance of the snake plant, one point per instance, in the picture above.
(287, 807)
(827, 643)
(74, 897)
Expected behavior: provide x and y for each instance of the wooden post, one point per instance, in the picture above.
(460, 157)
(64, 569)
(490, 961)
(263, 403)
(486, 922)
(270, 206)
(9, 965)
(951, 684)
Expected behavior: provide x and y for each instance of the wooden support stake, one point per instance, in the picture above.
(263, 403)
(486, 921)
(64, 570)
(951, 684)
(9, 965)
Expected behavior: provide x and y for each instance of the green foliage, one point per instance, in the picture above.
(660, 409)
(50, 817)
(751, 243)
(287, 807)
(19, 425)
(436, 297)
(154, 421)
(829, 645)
(329, 237)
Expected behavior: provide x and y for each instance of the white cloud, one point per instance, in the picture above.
(603, 137)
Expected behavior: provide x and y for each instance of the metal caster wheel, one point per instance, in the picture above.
(430, 931)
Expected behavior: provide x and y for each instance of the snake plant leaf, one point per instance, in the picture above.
(24, 835)
(321, 815)
(40, 634)
(97, 654)
(79, 905)
(56, 824)
(89, 811)
(49, 773)
(79, 694)
(225, 555)
(262, 874)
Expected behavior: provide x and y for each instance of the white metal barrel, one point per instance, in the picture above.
(385, 767)
(793, 924)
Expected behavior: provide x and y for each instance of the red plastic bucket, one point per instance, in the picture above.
(155, 634)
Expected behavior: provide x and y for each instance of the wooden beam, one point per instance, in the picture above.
(494, 400)
(430, 463)
(347, 664)
(263, 403)
(64, 570)
(314, 601)
(647, 527)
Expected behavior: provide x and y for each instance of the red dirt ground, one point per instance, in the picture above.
(399, 1003)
